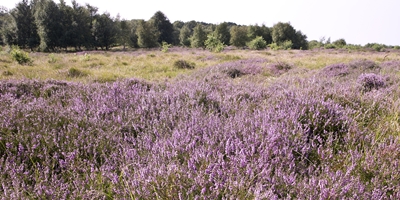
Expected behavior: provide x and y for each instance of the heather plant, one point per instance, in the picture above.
(371, 81)
(203, 135)
(363, 64)
(339, 69)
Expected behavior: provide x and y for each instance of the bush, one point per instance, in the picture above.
(371, 81)
(257, 43)
(378, 47)
(330, 46)
(165, 47)
(287, 45)
(214, 44)
(339, 69)
(74, 72)
(340, 43)
(396, 47)
(20, 56)
(183, 64)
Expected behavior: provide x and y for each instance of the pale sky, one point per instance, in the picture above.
(357, 21)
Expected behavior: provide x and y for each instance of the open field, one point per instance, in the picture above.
(241, 124)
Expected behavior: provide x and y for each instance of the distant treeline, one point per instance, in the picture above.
(44, 25)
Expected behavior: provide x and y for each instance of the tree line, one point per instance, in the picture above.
(44, 25)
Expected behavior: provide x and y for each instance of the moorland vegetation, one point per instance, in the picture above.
(186, 119)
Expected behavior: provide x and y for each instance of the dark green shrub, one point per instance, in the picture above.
(183, 64)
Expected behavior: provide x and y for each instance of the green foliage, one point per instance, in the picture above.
(105, 31)
(184, 36)
(183, 64)
(163, 26)
(330, 46)
(257, 43)
(287, 45)
(340, 43)
(222, 33)
(378, 47)
(165, 47)
(199, 37)
(47, 17)
(20, 56)
(52, 58)
(239, 36)
(147, 35)
(396, 47)
(314, 44)
(213, 43)
(274, 46)
(282, 32)
(23, 17)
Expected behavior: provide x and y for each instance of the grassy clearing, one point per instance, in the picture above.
(155, 65)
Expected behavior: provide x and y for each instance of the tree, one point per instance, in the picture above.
(124, 32)
(26, 30)
(105, 31)
(8, 28)
(222, 33)
(147, 34)
(340, 43)
(67, 34)
(238, 36)
(266, 34)
(164, 26)
(184, 36)
(47, 15)
(81, 26)
(283, 32)
(199, 37)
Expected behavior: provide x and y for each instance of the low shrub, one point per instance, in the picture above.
(234, 73)
(371, 81)
(339, 69)
(20, 56)
(214, 44)
(183, 64)
(75, 73)
(257, 43)
(165, 47)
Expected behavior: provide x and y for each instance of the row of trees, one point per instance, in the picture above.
(48, 26)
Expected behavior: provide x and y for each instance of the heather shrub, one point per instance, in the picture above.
(183, 64)
(20, 56)
(339, 69)
(257, 43)
(280, 68)
(371, 81)
(363, 64)
(234, 73)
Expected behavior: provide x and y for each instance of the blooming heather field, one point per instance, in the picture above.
(240, 125)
